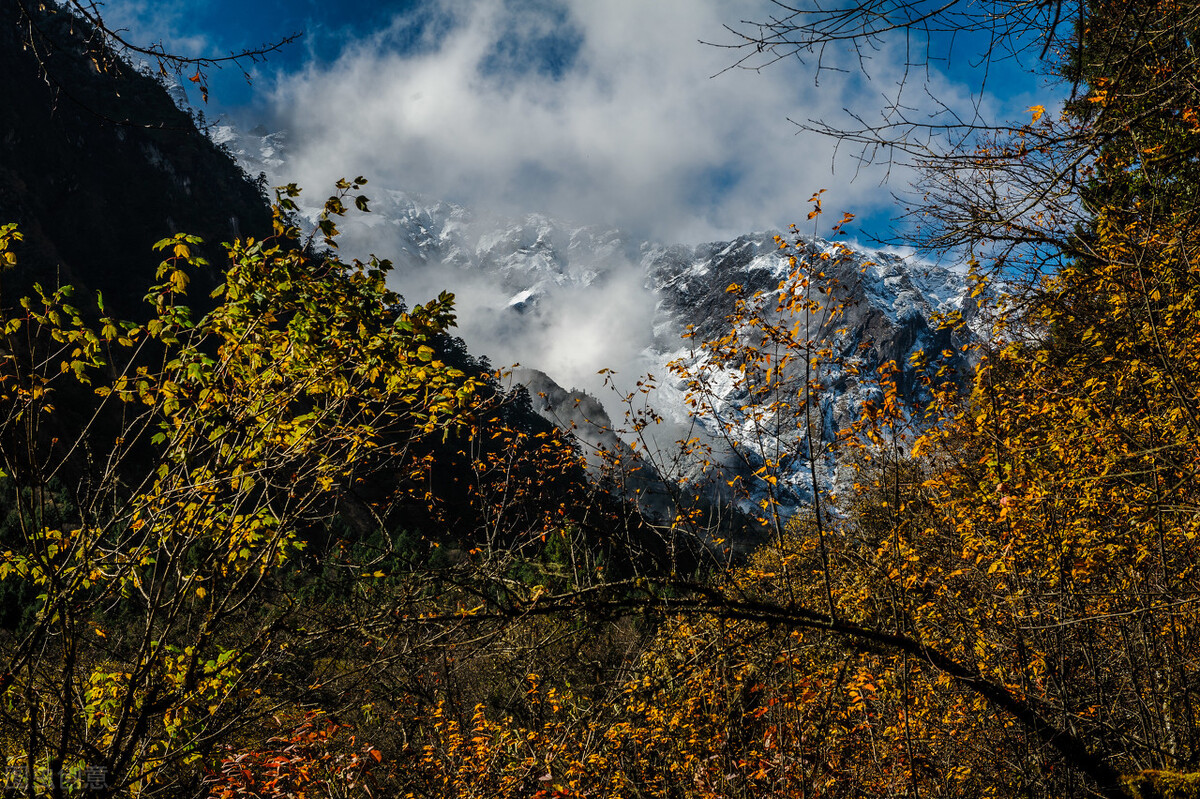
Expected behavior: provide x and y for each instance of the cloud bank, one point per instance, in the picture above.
(607, 112)
(612, 114)
(603, 113)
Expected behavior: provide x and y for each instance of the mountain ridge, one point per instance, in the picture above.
(527, 285)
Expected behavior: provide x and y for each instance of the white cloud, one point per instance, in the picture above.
(603, 113)
(590, 112)
(633, 131)
(598, 112)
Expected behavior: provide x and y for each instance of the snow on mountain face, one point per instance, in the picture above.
(569, 301)
(890, 311)
(257, 152)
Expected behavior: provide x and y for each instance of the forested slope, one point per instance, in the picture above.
(97, 164)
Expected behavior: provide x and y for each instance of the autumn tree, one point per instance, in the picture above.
(163, 478)
(1045, 546)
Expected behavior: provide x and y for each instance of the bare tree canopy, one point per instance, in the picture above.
(1006, 189)
(1009, 28)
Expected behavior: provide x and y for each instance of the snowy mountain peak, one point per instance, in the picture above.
(570, 300)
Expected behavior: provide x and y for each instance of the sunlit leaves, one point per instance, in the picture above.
(236, 430)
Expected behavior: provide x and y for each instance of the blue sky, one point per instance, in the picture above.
(218, 27)
(599, 112)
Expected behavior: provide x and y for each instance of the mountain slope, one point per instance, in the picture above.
(570, 300)
(892, 313)
(97, 163)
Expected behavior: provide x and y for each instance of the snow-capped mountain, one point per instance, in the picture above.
(890, 310)
(567, 301)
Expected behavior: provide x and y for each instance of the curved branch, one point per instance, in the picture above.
(641, 595)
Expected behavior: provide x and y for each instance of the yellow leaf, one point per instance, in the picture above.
(1037, 111)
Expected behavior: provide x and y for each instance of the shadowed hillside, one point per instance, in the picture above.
(97, 163)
